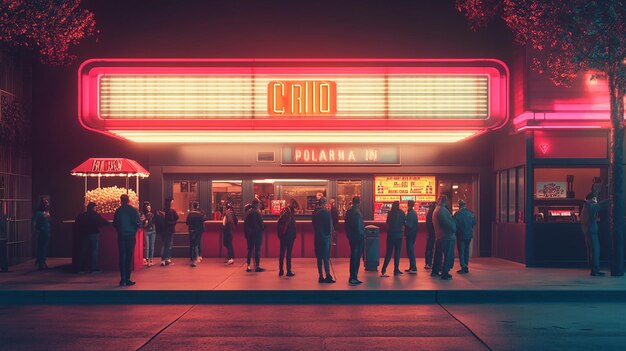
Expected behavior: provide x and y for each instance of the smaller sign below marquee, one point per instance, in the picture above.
(299, 155)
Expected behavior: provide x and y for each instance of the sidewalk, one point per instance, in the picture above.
(490, 280)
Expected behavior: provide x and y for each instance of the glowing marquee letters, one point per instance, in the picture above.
(301, 98)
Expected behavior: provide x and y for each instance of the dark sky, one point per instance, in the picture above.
(233, 28)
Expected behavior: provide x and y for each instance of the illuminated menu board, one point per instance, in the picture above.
(390, 188)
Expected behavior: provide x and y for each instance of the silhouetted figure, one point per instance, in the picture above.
(195, 222)
(149, 233)
(170, 217)
(445, 230)
(410, 233)
(88, 226)
(589, 226)
(42, 226)
(286, 228)
(229, 221)
(334, 214)
(254, 226)
(430, 237)
(395, 225)
(323, 227)
(126, 222)
(355, 230)
(465, 222)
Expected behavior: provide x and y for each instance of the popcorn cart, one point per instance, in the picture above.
(107, 199)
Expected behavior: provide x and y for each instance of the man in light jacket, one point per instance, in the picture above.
(465, 222)
(445, 230)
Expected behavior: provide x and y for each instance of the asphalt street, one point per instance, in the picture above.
(536, 326)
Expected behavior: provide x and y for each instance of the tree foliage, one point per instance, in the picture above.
(15, 126)
(572, 35)
(50, 27)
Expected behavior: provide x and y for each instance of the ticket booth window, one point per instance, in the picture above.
(559, 192)
(224, 191)
(275, 194)
(346, 190)
(184, 193)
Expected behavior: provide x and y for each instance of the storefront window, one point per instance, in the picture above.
(511, 195)
(503, 196)
(559, 192)
(223, 191)
(275, 193)
(512, 211)
(521, 195)
(346, 190)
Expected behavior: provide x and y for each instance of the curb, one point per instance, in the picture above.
(304, 297)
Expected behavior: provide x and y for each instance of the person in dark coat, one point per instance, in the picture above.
(355, 230)
(253, 227)
(170, 218)
(195, 222)
(465, 222)
(323, 227)
(126, 222)
(229, 221)
(395, 224)
(42, 226)
(286, 228)
(88, 226)
(430, 237)
(410, 233)
(445, 230)
(149, 233)
(334, 214)
(589, 226)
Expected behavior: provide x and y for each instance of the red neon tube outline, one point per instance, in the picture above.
(499, 90)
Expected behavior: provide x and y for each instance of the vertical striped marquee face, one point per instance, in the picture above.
(257, 100)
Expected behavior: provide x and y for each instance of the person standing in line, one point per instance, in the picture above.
(88, 225)
(410, 233)
(286, 228)
(430, 237)
(465, 222)
(149, 233)
(170, 217)
(334, 214)
(589, 226)
(355, 230)
(395, 223)
(445, 230)
(126, 222)
(42, 226)
(253, 228)
(323, 227)
(195, 222)
(228, 222)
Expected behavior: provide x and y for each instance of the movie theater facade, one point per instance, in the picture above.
(521, 153)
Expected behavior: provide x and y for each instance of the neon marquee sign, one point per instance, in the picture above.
(293, 100)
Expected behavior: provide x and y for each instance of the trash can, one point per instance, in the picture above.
(372, 247)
